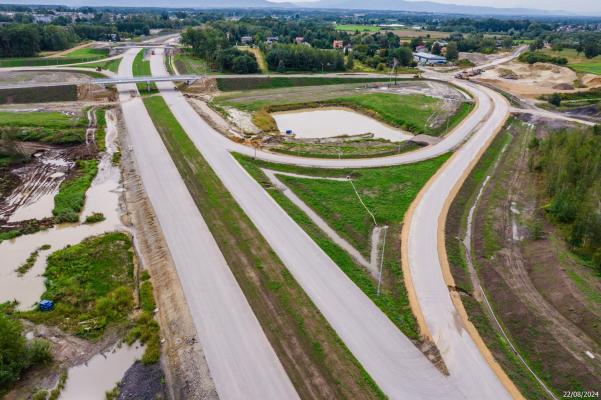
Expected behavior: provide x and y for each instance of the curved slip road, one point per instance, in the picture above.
(394, 363)
(242, 363)
(424, 248)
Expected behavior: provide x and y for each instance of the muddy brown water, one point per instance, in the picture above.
(325, 123)
(103, 196)
(91, 380)
(34, 197)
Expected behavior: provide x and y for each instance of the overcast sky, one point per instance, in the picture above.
(580, 6)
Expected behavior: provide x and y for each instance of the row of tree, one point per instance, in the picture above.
(27, 40)
(570, 166)
(289, 57)
(212, 46)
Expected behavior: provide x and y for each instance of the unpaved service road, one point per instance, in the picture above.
(395, 364)
(242, 363)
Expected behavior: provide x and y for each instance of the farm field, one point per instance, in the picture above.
(360, 28)
(578, 61)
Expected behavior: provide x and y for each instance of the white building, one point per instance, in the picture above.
(428, 59)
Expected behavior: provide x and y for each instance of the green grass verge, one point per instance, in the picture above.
(310, 351)
(70, 199)
(141, 67)
(388, 192)
(101, 129)
(233, 84)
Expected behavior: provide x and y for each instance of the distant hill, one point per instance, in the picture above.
(426, 6)
(391, 5)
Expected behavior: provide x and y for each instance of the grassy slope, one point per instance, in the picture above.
(317, 362)
(232, 84)
(349, 215)
(362, 148)
(47, 127)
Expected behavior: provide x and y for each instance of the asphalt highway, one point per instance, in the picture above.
(242, 363)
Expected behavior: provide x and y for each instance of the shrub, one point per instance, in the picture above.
(555, 99)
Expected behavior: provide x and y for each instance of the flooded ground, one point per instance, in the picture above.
(91, 380)
(325, 123)
(34, 199)
(103, 197)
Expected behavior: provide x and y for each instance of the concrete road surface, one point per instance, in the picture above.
(394, 363)
(242, 363)
(464, 360)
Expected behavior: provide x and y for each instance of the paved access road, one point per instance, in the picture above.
(395, 364)
(242, 363)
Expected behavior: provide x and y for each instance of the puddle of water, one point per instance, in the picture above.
(93, 379)
(103, 196)
(40, 209)
(334, 122)
(34, 198)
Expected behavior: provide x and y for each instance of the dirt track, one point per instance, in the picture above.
(527, 281)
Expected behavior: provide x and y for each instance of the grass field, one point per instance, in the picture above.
(54, 120)
(355, 28)
(578, 61)
(91, 284)
(76, 56)
(317, 362)
(35, 95)
(235, 84)
(45, 127)
(410, 33)
(387, 192)
(188, 64)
